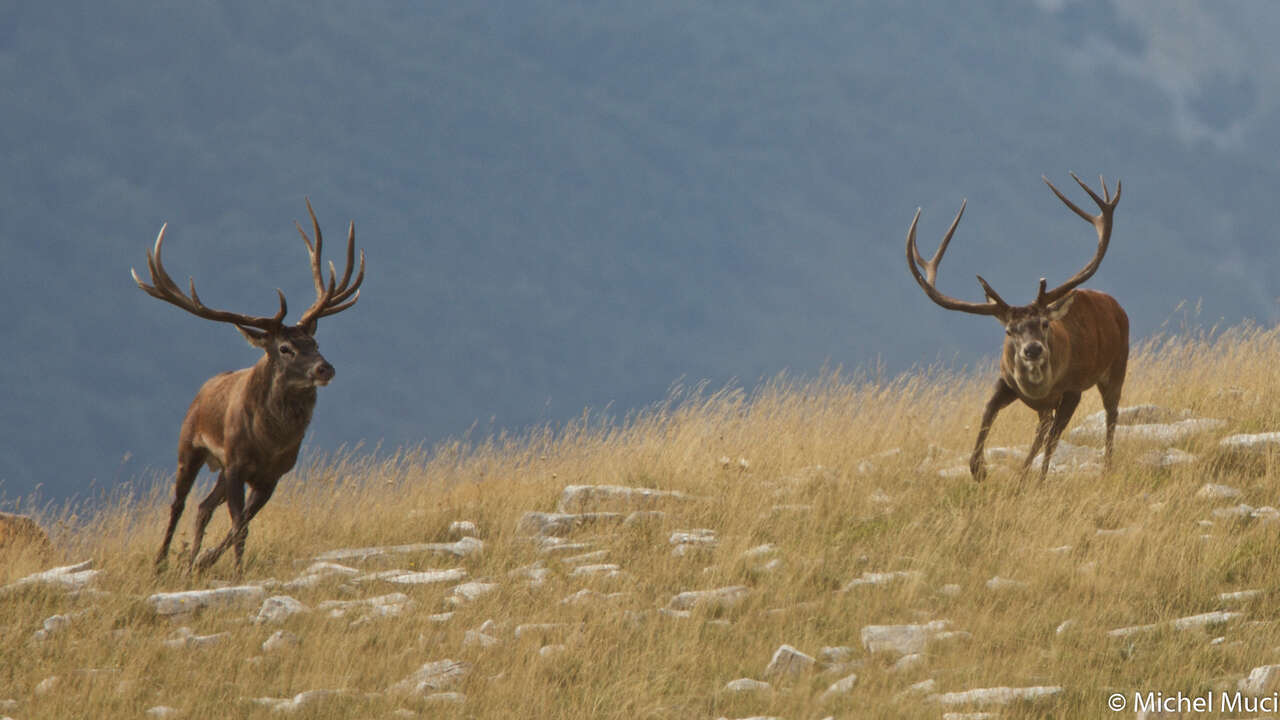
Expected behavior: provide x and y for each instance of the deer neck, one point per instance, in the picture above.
(284, 410)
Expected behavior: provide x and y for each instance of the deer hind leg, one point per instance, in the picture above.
(1001, 396)
(1111, 404)
(1061, 416)
(189, 463)
(210, 503)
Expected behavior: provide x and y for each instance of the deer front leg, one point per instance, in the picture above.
(1062, 416)
(258, 497)
(1000, 399)
(1042, 431)
(234, 495)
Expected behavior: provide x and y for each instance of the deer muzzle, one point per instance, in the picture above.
(322, 373)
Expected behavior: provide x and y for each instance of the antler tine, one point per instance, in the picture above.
(332, 297)
(928, 280)
(1101, 222)
(164, 288)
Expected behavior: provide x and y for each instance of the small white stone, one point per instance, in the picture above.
(278, 608)
(842, 686)
(881, 578)
(727, 597)
(742, 685)
(1214, 491)
(162, 711)
(47, 685)
(476, 638)
(467, 592)
(1263, 680)
(279, 641)
(1064, 627)
(463, 528)
(1239, 595)
(788, 661)
(907, 663)
(999, 584)
(996, 695)
(445, 698)
(901, 639)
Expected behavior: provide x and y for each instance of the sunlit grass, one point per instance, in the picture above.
(782, 463)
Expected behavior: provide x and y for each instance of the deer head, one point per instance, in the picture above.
(292, 352)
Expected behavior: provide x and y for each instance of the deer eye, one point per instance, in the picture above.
(285, 349)
(1044, 324)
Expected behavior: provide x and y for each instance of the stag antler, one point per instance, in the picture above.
(164, 288)
(995, 305)
(1101, 222)
(336, 296)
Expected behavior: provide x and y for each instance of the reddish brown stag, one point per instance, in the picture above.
(1060, 345)
(247, 425)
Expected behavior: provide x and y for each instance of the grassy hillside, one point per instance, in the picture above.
(785, 467)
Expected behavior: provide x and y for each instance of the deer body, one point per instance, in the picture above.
(1089, 346)
(1055, 348)
(248, 425)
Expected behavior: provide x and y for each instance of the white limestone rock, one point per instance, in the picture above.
(843, 686)
(183, 637)
(1262, 680)
(1167, 457)
(606, 570)
(1217, 617)
(307, 699)
(1214, 491)
(445, 698)
(68, 577)
(381, 606)
(907, 663)
(996, 695)
(559, 524)
(432, 677)
(459, 529)
(881, 578)
(1000, 584)
(726, 597)
(788, 662)
(478, 638)
(1251, 443)
(175, 603)
(53, 625)
(318, 572)
(470, 591)
(415, 577)
(1239, 595)
(744, 685)
(901, 639)
(278, 608)
(462, 548)
(579, 498)
(163, 712)
(280, 641)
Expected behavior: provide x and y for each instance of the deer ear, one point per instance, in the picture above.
(1058, 309)
(256, 338)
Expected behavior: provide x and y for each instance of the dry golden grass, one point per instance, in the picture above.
(623, 658)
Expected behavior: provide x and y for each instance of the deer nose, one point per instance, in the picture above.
(323, 372)
(1033, 351)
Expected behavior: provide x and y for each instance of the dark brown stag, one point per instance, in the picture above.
(1060, 345)
(248, 424)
